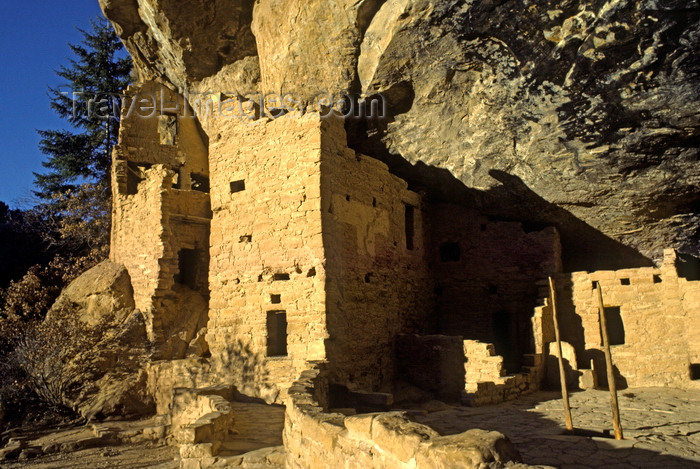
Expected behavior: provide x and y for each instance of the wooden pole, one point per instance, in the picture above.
(562, 373)
(609, 365)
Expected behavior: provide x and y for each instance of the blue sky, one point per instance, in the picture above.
(34, 38)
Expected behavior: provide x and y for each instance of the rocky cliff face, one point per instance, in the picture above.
(582, 115)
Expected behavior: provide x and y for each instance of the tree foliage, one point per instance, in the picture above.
(94, 79)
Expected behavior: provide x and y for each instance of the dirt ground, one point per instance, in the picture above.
(140, 455)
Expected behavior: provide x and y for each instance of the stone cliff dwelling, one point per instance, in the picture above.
(267, 252)
(345, 267)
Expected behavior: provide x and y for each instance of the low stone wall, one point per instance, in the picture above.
(202, 419)
(486, 380)
(314, 438)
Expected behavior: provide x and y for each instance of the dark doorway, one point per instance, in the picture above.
(695, 371)
(616, 329)
(504, 340)
(188, 261)
(410, 226)
(450, 252)
(276, 333)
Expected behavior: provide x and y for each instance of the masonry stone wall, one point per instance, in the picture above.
(486, 378)
(158, 127)
(267, 257)
(653, 320)
(137, 231)
(167, 375)
(486, 275)
(378, 284)
(271, 246)
(433, 363)
(315, 438)
(158, 212)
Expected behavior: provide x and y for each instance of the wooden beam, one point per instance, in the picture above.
(562, 373)
(609, 365)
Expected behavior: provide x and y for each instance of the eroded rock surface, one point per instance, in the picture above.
(581, 115)
(592, 106)
(103, 375)
(181, 42)
(104, 290)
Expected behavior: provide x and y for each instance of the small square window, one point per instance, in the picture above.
(237, 186)
(624, 281)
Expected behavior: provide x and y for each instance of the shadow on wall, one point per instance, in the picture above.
(573, 333)
(245, 367)
(583, 247)
(601, 370)
(688, 267)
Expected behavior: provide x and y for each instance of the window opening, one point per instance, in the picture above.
(616, 328)
(237, 186)
(199, 182)
(450, 252)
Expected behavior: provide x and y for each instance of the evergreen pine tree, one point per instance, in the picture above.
(95, 78)
(75, 191)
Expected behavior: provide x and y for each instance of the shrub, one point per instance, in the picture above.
(42, 361)
(54, 356)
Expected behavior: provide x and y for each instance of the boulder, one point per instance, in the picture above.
(105, 345)
(101, 294)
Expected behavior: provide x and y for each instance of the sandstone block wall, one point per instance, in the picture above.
(378, 282)
(267, 257)
(314, 438)
(543, 321)
(306, 227)
(167, 375)
(433, 363)
(137, 231)
(486, 275)
(158, 127)
(160, 210)
(653, 320)
(486, 378)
